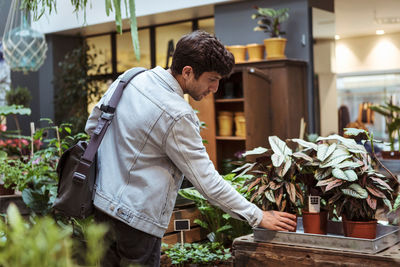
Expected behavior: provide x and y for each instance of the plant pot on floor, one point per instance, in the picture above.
(255, 52)
(275, 48)
(359, 229)
(315, 222)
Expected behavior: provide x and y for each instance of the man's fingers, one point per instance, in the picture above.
(288, 215)
(286, 226)
(289, 221)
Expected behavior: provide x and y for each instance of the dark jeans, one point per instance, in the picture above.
(127, 246)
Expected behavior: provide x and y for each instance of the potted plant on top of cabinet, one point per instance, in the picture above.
(274, 184)
(355, 190)
(270, 21)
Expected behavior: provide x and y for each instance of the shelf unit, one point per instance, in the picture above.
(272, 95)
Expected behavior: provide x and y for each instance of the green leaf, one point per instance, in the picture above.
(336, 157)
(118, 17)
(303, 156)
(224, 228)
(356, 191)
(322, 173)
(324, 151)
(278, 146)
(14, 109)
(134, 30)
(201, 223)
(387, 203)
(347, 175)
(381, 182)
(396, 203)
(256, 151)
(348, 164)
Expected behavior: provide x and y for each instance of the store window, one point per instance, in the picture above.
(126, 57)
(100, 47)
(164, 34)
(356, 92)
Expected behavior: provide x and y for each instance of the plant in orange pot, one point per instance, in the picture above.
(353, 188)
(270, 21)
(274, 184)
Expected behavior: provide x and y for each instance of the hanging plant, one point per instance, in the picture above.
(39, 7)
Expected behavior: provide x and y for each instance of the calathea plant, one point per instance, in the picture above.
(275, 184)
(270, 20)
(343, 171)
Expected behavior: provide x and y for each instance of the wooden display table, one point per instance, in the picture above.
(248, 253)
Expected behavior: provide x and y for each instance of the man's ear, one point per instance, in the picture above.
(186, 72)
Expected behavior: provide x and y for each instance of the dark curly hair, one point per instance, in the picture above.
(204, 53)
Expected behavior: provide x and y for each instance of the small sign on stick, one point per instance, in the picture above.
(182, 225)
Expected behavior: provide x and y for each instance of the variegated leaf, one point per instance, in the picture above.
(387, 203)
(254, 183)
(356, 191)
(277, 159)
(347, 175)
(333, 184)
(325, 150)
(286, 167)
(291, 191)
(278, 196)
(244, 166)
(304, 143)
(375, 192)
(283, 206)
(302, 156)
(261, 189)
(322, 173)
(278, 146)
(381, 182)
(256, 151)
(348, 164)
(353, 131)
(332, 137)
(335, 158)
(270, 196)
(377, 174)
(371, 202)
(325, 182)
(274, 185)
(396, 204)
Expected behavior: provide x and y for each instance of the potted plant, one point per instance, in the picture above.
(274, 184)
(354, 189)
(391, 113)
(314, 213)
(270, 21)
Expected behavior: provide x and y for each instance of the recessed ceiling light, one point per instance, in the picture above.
(337, 37)
(380, 32)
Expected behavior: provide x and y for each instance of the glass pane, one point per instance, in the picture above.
(103, 88)
(166, 33)
(126, 56)
(102, 50)
(207, 25)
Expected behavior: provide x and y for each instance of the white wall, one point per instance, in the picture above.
(324, 66)
(65, 19)
(369, 53)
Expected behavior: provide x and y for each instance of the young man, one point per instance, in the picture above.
(152, 143)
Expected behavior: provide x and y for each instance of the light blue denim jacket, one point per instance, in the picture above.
(152, 143)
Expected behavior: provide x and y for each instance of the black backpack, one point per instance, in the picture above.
(76, 168)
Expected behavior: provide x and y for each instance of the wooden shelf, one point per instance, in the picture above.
(229, 100)
(231, 138)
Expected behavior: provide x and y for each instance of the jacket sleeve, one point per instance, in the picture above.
(185, 148)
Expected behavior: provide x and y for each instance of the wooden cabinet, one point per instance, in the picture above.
(272, 96)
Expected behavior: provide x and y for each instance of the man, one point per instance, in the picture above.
(152, 143)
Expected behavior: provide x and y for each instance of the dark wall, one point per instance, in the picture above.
(234, 26)
(39, 83)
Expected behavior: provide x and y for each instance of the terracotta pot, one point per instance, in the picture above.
(390, 154)
(357, 229)
(315, 223)
(6, 191)
(238, 51)
(255, 52)
(275, 48)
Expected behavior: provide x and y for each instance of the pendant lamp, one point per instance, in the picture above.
(24, 48)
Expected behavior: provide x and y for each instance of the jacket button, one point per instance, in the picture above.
(112, 207)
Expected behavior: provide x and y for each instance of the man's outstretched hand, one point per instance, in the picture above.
(278, 221)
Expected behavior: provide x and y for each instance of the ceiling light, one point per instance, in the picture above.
(380, 32)
(387, 20)
(337, 37)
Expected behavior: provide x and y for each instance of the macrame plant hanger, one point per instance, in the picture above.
(24, 48)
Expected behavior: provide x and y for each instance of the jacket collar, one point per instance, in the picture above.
(167, 77)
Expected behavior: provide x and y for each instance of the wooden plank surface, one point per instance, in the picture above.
(249, 253)
(194, 235)
(188, 213)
